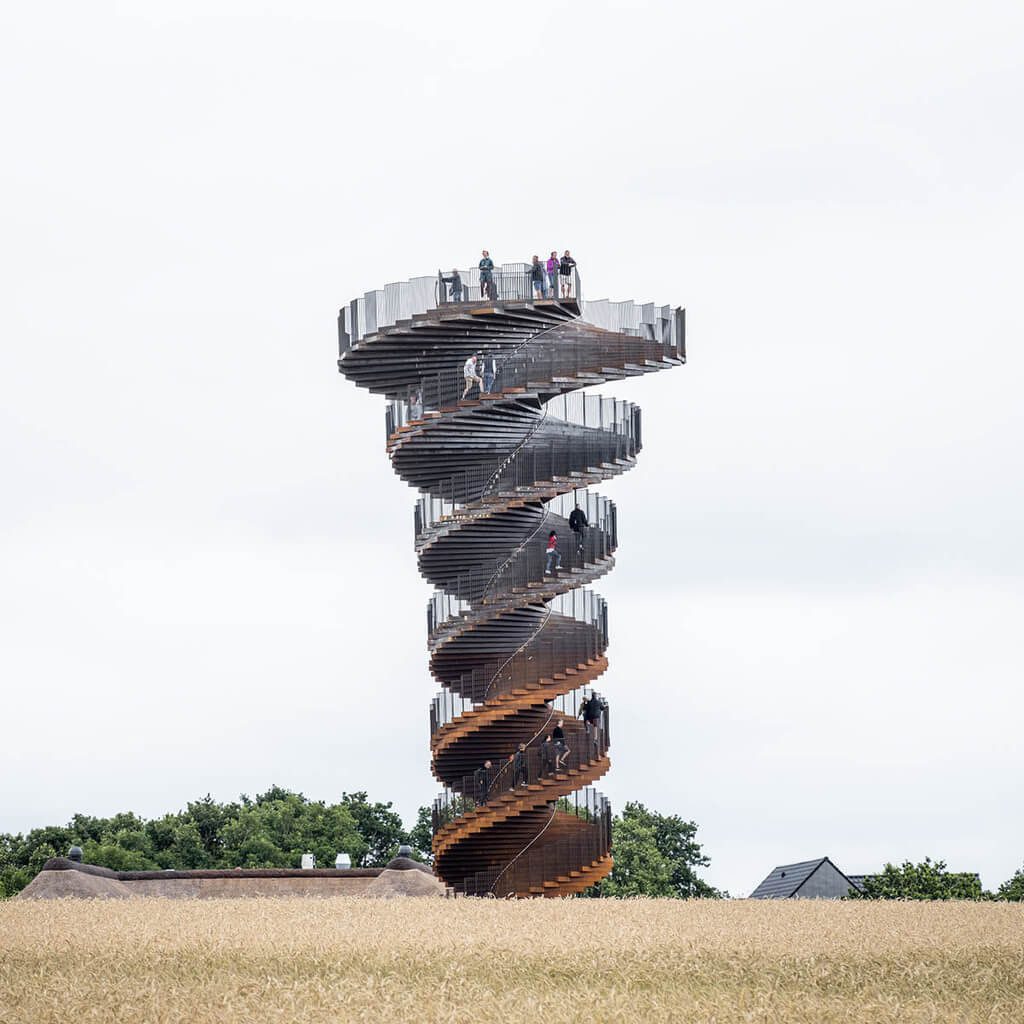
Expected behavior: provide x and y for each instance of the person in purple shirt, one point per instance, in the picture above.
(552, 269)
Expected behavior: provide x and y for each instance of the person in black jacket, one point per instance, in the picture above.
(566, 265)
(487, 366)
(456, 285)
(481, 781)
(561, 750)
(591, 715)
(519, 768)
(547, 756)
(577, 523)
(538, 276)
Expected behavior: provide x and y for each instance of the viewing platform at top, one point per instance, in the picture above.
(511, 288)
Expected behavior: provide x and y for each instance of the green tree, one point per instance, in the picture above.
(276, 832)
(928, 880)
(187, 851)
(379, 826)
(110, 855)
(209, 818)
(420, 837)
(13, 876)
(39, 856)
(655, 855)
(273, 830)
(1012, 888)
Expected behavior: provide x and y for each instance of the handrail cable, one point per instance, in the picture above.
(508, 561)
(519, 649)
(551, 818)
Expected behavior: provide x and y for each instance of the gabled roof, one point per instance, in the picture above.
(785, 880)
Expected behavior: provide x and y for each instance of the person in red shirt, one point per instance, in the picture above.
(554, 559)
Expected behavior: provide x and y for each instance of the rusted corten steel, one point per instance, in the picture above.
(503, 452)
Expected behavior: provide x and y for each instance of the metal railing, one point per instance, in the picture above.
(556, 851)
(479, 589)
(564, 642)
(510, 282)
(384, 307)
(402, 300)
(559, 365)
(584, 744)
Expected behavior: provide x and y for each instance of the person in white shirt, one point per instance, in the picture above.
(472, 377)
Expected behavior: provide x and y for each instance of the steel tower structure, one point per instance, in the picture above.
(515, 641)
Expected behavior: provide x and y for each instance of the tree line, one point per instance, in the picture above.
(656, 855)
(273, 830)
(930, 880)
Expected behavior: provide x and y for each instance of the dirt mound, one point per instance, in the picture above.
(390, 884)
(55, 885)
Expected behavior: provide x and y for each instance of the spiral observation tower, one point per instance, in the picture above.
(516, 641)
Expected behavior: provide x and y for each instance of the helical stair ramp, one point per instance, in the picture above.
(516, 649)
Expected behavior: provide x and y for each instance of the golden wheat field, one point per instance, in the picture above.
(344, 959)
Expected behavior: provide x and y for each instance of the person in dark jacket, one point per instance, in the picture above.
(547, 756)
(561, 750)
(486, 266)
(591, 715)
(566, 265)
(539, 278)
(455, 284)
(487, 367)
(519, 768)
(481, 781)
(578, 523)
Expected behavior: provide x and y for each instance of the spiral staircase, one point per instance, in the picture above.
(516, 649)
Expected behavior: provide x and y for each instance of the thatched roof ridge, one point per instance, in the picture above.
(63, 864)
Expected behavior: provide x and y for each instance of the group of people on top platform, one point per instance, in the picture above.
(547, 276)
(550, 278)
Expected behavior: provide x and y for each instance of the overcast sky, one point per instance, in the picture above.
(208, 574)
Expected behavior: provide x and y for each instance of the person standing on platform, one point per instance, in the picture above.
(471, 377)
(537, 275)
(486, 276)
(455, 281)
(554, 558)
(552, 269)
(578, 523)
(566, 265)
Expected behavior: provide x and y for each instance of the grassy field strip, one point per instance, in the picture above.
(297, 960)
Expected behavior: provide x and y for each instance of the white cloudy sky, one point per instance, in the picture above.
(208, 576)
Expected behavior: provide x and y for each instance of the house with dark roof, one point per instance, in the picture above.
(809, 879)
